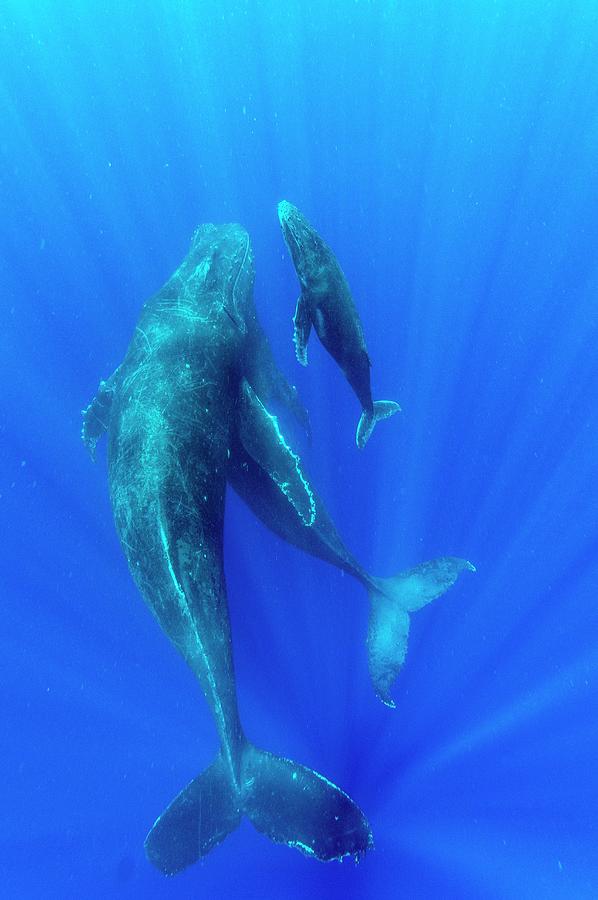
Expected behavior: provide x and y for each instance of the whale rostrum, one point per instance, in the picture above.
(186, 413)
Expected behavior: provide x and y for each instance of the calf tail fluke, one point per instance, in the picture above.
(287, 802)
(391, 601)
(382, 409)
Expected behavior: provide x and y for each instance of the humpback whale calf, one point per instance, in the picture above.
(326, 303)
(185, 414)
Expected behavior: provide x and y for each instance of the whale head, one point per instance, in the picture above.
(221, 264)
(300, 238)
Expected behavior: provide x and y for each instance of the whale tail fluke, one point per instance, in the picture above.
(289, 803)
(198, 819)
(294, 805)
(391, 601)
(382, 409)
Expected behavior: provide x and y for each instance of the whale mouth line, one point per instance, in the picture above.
(238, 275)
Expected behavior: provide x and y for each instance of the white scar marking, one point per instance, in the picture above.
(184, 606)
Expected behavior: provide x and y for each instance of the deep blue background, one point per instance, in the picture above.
(448, 152)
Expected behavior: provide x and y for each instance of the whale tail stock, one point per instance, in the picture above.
(391, 601)
(287, 802)
(382, 409)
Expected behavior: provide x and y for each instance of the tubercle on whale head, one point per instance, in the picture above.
(286, 211)
(311, 257)
(226, 248)
(220, 261)
(295, 228)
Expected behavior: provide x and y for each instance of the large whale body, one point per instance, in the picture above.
(186, 413)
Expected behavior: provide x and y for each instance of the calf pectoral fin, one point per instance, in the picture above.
(302, 325)
(96, 416)
(265, 443)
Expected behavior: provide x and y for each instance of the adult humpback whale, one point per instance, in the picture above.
(185, 413)
(326, 303)
(173, 411)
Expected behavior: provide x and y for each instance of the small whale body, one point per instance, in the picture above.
(186, 414)
(326, 303)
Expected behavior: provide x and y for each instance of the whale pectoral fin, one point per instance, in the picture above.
(96, 416)
(288, 395)
(271, 383)
(302, 325)
(264, 442)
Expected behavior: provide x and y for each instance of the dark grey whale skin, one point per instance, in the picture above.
(322, 539)
(328, 300)
(169, 432)
(326, 303)
(174, 411)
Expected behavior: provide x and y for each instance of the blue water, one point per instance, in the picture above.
(447, 152)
